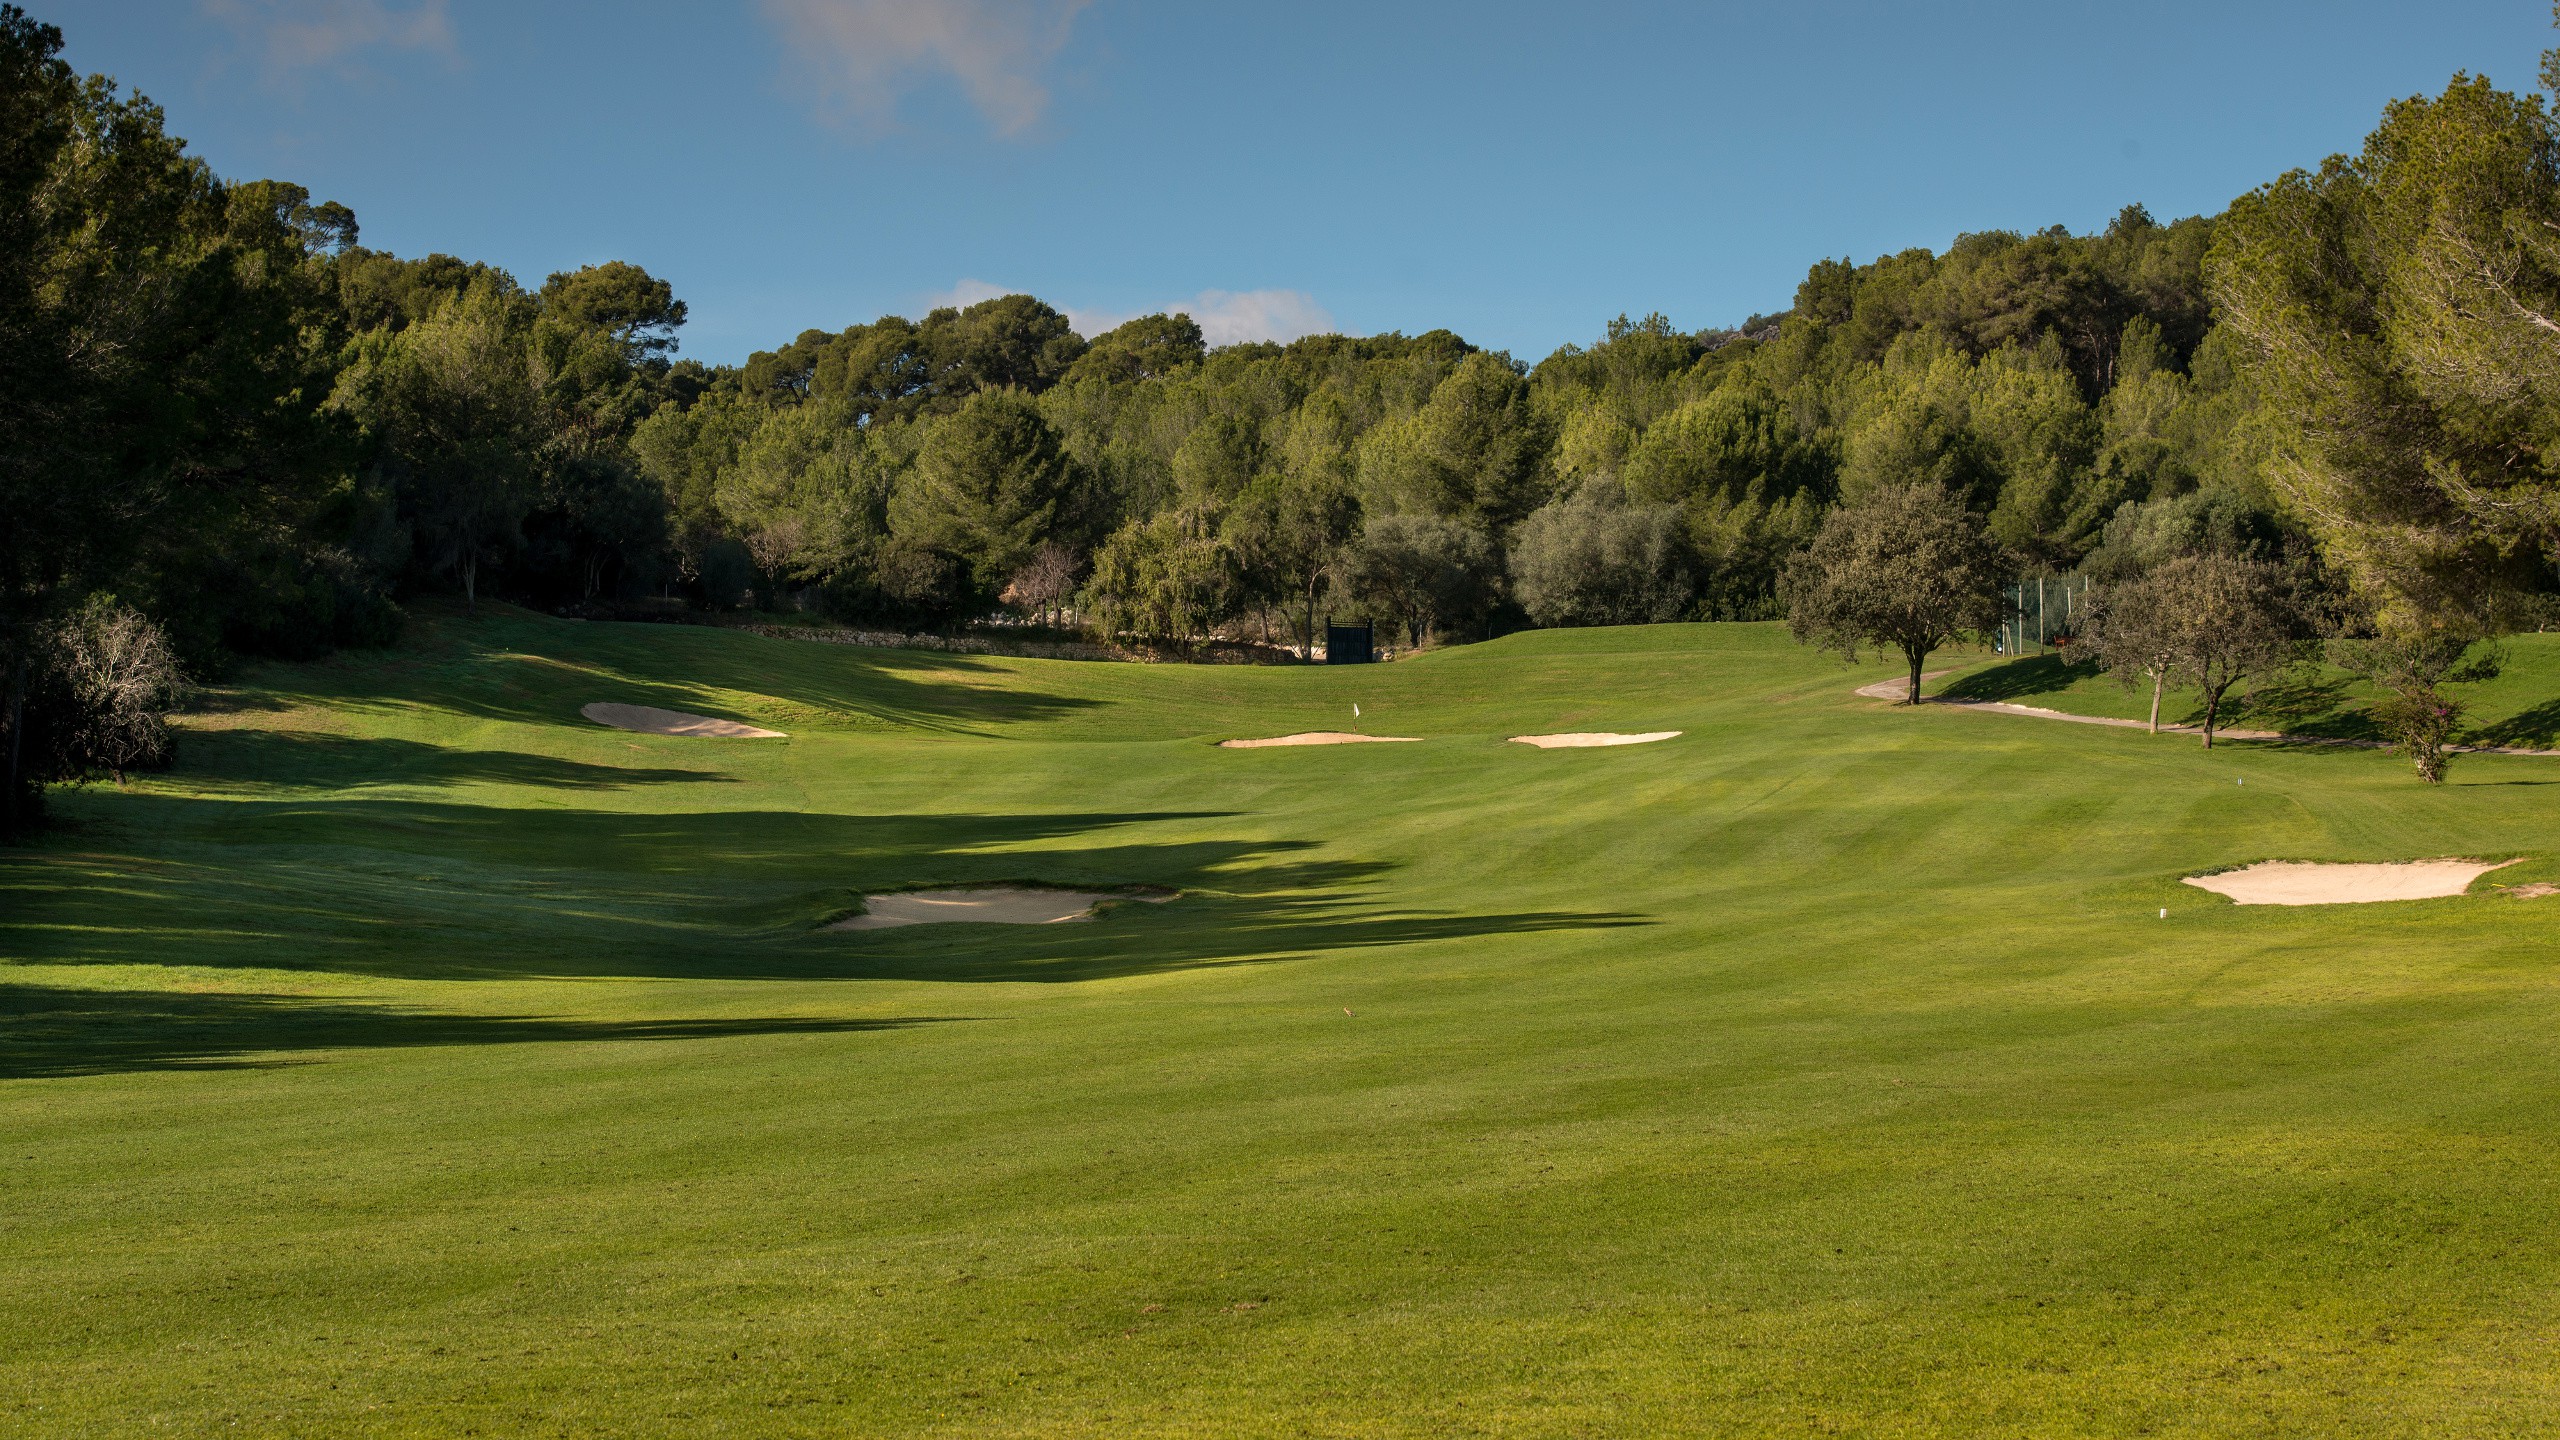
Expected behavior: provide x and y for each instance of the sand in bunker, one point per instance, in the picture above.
(1320, 737)
(650, 720)
(1585, 739)
(2299, 882)
(986, 905)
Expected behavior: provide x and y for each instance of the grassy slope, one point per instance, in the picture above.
(417, 1058)
(2520, 708)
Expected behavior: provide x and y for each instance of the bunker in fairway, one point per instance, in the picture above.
(1589, 739)
(650, 720)
(984, 905)
(1319, 737)
(2302, 882)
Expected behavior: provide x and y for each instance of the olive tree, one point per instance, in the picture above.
(1593, 559)
(2212, 620)
(2230, 619)
(1427, 573)
(1902, 567)
(2130, 626)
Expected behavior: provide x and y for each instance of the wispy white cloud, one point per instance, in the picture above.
(860, 57)
(1232, 317)
(1226, 317)
(969, 292)
(292, 35)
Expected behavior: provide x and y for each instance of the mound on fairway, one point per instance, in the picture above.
(1589, 739)
(1318, 737)
(984, 905)
(2300, 882)
(650, 720)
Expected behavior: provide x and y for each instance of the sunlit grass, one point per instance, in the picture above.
(418, 1058)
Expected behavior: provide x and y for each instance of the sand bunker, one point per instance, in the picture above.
(649, 720)
(984, 905)
(1319, 737)
(2298, 882)
(1584, 739)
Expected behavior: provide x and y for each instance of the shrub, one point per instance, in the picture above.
(1593, 559)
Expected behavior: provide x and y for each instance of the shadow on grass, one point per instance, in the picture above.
(50, 1031)
(443, 891)
(313, 759)
(2016, 680)
(2534, 729)
(525, 668)
(1321, 910)
(2310, 706)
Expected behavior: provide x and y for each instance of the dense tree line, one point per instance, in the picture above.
(913, 471)
(233, 423)
(2357, 459)
(233, 427)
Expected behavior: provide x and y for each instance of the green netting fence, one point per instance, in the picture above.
(2039, 613)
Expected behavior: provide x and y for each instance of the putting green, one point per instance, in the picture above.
(420, 1058)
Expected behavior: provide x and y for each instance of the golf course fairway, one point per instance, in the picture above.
(420, 1058)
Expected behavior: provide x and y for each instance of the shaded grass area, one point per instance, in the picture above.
(417, 1059)
(55, 1031)
(410, 890)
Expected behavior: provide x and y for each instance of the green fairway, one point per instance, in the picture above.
(418, 1058)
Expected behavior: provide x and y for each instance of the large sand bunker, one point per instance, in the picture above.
(2299, 882)
(1585, 739)
(650, 720)
(1319, 737)
(983, 905)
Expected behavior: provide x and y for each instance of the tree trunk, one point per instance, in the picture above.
(471, 586)
(2212, 711)
(17, 732)
(1917, 658)
(2158, 679)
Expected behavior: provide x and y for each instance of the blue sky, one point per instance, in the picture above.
(1518, 173)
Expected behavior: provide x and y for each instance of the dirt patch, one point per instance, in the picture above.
(1899, 687)
(2534, 891)
(1319, 737)
(983, 905)
(649, 720)
(1587, 739)
(2299, 882)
